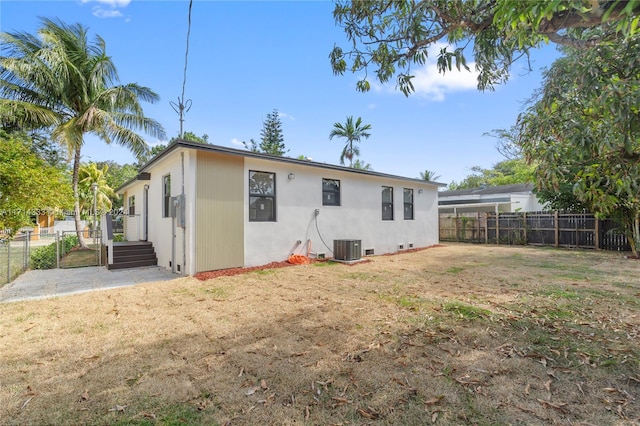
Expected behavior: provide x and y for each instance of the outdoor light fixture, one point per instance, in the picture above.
(419, 191)
(292, 176)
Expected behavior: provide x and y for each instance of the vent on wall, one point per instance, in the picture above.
(346, 249)
(368, 252)
(410, 245)
(400, 246)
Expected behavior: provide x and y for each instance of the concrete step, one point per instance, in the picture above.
(118, 257)
(133, 255)
(133, 264)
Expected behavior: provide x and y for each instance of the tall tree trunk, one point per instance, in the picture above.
(76, 198)
(635, 240)
(350, 153)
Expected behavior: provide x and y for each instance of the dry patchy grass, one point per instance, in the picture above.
(459, 334)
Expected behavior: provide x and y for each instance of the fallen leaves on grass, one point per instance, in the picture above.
(560, 406)
(369, 413)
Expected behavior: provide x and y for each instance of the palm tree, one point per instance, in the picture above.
(60, 81)
(429, 175)
(87, 176)
(352, 133)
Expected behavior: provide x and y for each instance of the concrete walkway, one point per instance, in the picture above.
(42, 284)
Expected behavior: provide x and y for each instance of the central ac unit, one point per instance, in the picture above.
(347, 249)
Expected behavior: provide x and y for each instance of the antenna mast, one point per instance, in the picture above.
(182, 107)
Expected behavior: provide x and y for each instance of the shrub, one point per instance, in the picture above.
(45, 257)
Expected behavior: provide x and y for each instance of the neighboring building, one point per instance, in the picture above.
(207, 207)
(504, 198)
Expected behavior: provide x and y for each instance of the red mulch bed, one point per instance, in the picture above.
(203, 276)
(207, 275)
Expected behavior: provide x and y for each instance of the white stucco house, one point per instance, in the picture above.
(495, 199)
(207, 207)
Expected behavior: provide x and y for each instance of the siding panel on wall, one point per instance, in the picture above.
(219, 212)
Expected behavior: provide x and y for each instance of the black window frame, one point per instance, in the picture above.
(408, 205)
(166, 195)
(268, 199)
(327, 193)
(387, 207)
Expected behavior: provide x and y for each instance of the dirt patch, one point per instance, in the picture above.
(460, 334)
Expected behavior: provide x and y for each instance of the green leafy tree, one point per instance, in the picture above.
(252, 145)
(116, 175)
(429, 175)
(59, 80)
(190, 136)
(583, 130)
(27, 184)
(271, 137)
(361, 165)
(392, 36)
(506, 172)
(352, 133)
(157, 149)
(90, 174)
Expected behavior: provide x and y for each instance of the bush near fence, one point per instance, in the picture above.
(46, 257)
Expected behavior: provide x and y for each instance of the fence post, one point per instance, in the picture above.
(456, 228)
(597, 232)
(524, 227)
(57, 249)
(9, 260)
(557, 229)
(497, 227)
(27, 246)
(486, 227)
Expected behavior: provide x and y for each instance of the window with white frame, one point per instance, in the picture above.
(166, 196)
(132, 205)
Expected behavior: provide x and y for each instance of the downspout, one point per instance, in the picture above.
(184, 227)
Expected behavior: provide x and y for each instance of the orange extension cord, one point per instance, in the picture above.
(300, 259)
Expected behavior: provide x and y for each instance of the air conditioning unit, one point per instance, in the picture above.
(347, 249)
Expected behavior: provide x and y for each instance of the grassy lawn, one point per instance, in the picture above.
(460, 334)
(80, 258)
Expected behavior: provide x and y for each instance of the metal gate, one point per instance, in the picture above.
(73, 255)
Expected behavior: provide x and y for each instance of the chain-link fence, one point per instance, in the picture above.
(29, 250)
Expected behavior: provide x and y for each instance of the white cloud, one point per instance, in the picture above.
(108, 8)
(431, 84)
(104, 13)
(237, 142)
(285, 115)
(371, 106)
(112, 3)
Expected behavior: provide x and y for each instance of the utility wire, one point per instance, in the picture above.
(183, 107)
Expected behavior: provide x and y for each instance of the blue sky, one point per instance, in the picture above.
(247, 58)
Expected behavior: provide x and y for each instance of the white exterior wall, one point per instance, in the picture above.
(133, 224)
(525, 203)
(161, 228)
(359, 217)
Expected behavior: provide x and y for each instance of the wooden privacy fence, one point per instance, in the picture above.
(581, 230)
